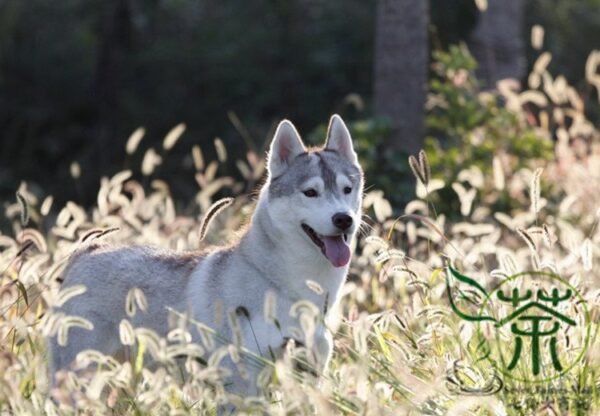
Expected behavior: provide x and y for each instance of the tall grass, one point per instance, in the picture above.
(399, 347)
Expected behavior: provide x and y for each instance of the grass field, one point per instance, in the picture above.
(400, 348)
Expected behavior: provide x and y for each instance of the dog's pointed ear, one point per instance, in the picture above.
(286, 145)
(338, 139)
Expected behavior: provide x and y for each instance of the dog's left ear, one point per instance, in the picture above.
(338, 139)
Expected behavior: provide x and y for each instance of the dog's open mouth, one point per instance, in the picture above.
(335, 248)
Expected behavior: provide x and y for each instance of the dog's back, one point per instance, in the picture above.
(109, 274)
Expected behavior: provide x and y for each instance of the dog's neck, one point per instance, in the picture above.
(287, 262)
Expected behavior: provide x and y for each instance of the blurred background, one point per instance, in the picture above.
(77, 78)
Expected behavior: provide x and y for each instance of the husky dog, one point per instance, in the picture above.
(306, 217)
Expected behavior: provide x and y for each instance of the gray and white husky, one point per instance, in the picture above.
(305, 220)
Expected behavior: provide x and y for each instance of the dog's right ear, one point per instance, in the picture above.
(285, 147)
(338, 139)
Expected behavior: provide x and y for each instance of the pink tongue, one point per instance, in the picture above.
(336, 250)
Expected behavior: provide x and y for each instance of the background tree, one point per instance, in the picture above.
(498, 41)
(401, 58)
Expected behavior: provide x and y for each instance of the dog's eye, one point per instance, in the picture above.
(311, 193)
(347, 190)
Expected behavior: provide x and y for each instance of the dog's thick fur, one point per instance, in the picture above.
(304, 191)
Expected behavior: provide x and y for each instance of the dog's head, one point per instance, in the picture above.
(315, 194)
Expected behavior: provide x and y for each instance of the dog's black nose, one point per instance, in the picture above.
(342, 221)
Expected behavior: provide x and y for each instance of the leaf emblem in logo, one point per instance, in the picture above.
(469, 290)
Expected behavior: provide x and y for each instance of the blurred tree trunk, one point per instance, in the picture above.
(401, 57)
(497, 42)
(115, 40)
(114, 43)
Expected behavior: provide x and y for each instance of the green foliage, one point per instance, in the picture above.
(470, 126)
(463, 114)
(382, 163)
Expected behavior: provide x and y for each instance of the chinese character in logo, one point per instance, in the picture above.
(534, 316)
(523, 314)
